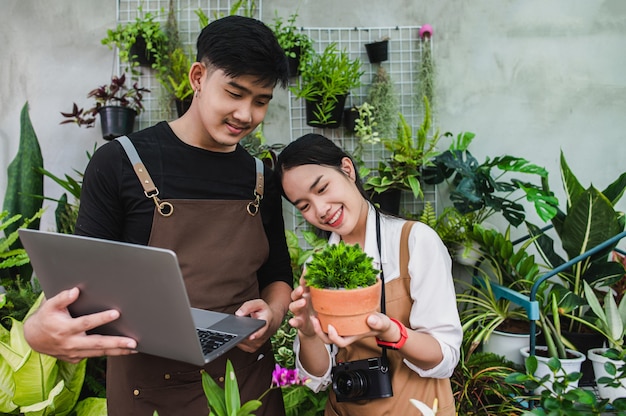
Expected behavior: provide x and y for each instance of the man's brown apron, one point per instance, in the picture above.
(220, 245)
(407, 384)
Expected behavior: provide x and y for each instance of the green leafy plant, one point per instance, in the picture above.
(226, 401)
(478, 386)
(246, 8)
(588, 220)
(116, 93)
(610, 319)
(33, 383)
(293, 41)
(403, 169)
(559, 396)
(173, 63)
(125, 36)
(512, 268)
(481, 189)
(340, 266)
(324, 78)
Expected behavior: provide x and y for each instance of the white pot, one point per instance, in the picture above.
(598, 361)
(568, 365)
(507, 344)
(468, 258)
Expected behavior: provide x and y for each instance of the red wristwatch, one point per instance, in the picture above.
(401, 341)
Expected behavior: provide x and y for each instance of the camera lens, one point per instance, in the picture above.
(350, 384)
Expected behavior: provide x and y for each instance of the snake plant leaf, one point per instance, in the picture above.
(24, 181)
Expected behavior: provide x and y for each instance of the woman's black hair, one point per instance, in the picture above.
(243, 46)
(314, 149)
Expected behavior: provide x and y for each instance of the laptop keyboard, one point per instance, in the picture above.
(211, 340)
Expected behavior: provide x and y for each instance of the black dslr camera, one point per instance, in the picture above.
(361, 380)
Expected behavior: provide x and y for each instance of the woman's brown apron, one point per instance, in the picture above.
(407, 384)
(220, 245)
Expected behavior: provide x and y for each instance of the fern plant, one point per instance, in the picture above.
(341, 266)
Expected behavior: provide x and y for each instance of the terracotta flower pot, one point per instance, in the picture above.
(346, 310)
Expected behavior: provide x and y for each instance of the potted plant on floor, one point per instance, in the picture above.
(344, 287)
(325, 81)
(115, 103)
(501, 325)
(588, 219)
(138, 42)
(294, 42)
(609, 363)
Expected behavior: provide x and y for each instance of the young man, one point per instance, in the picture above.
(233, 259)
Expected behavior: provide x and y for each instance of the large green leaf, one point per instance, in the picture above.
(7, 387)
(91, 406)
(591, 220)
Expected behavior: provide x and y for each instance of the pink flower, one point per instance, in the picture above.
(282, 377)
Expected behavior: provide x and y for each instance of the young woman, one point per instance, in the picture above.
(421, 330)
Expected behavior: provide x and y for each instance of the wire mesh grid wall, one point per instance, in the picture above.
(405, 57)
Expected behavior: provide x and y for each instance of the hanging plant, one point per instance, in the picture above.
(425, 72)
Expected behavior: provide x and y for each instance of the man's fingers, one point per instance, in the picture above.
(63, 299)
(87, 322)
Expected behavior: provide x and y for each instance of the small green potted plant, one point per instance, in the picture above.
(344, 287)
(115, 103)
(139, 42)
(325, 81)
(294, 42)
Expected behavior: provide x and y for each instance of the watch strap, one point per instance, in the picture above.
(400, 343)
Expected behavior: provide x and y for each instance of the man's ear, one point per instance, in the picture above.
(197, 72)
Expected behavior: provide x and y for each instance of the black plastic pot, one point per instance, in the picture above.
(140, 52)
(388, 201)
(116, 121)
(377, 51)
(350, 115)
(334, 119)
(182, 106)
(294, 62)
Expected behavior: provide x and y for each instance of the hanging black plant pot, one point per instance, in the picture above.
(116, 121)
(377, 51)
(388, 201)
(141, 53)
(293, 59)
(350, 115)
(182, 106)
(331, 120)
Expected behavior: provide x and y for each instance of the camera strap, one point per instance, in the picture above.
(383, 358)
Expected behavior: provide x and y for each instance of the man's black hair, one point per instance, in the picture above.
(243, 46)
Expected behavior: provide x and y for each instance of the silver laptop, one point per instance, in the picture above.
(145, 284)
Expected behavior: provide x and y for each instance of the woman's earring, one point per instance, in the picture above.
(197, 92)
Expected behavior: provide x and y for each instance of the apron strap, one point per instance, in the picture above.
(165, 208)
(404, 248)
(149, 188)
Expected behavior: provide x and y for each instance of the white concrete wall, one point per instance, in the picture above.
(530, 78)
